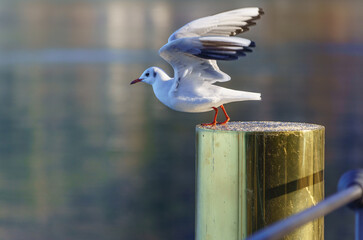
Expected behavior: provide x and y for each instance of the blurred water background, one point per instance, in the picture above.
(84, 155)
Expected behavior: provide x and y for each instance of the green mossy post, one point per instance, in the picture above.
(251, 174)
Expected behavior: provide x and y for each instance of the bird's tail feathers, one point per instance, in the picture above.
(250, 95)
(235, 96)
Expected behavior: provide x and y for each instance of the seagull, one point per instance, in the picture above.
(193, 51)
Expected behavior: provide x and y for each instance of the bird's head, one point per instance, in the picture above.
(148, 76)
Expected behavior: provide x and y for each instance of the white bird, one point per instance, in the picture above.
(192, 51)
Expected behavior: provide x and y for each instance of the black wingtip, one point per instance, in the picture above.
(250, 22)
(216, 56)
(260, 11)
(241, 53)
(252, 44)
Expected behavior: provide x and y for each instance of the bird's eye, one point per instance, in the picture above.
(147, 74)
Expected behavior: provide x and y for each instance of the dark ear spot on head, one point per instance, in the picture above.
(154, 74)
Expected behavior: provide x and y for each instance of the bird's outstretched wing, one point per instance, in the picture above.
(228, 23)
(195, 57)
(193, 49)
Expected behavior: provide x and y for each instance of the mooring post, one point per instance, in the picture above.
(251, 174)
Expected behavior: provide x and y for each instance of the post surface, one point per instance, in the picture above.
(251, 174)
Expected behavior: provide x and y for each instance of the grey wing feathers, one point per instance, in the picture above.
(183, 53)
(224, 48)
(200, 54)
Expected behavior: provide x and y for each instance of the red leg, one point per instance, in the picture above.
(225, 114)
(214, 120)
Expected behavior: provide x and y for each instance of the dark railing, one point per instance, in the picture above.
(350, 192)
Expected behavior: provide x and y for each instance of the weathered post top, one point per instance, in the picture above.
(263, 126)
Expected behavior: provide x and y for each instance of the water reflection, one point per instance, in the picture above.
(84, 155)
